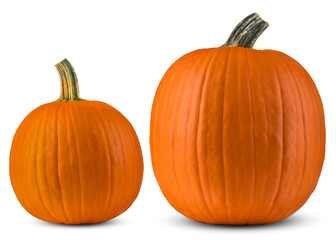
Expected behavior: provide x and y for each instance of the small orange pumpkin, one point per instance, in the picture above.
(237, 135)
(75, 161)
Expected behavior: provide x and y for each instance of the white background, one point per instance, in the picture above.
(120, 50)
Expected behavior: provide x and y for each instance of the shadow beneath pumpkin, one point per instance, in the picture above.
(293, 221)
(96, 225)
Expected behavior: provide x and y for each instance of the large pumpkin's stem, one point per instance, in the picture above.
(247, 32)
(69, 82)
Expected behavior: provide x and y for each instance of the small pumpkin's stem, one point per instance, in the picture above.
(247, 32)
(69, 82)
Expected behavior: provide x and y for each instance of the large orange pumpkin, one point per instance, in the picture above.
(74, 161)
(237, 135)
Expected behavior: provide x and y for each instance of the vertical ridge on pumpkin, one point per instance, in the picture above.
(302, 105)
(123, 158)
(155, 108)
(108, 162)
(132, 150)
(36, 158)
(79, 182)
(63, 162)
(223, 134)
(128, 151)
(16, 168)
(283, 142)
(254, 92)
(264, 136)
(58, 142)
(253, 135)
(118, 141)
(97, 208)
(196, 80)
(292, 147)
(180, 92)
(237, 133)
(67, 163)
(46, 150)
(96, 147)
(199, 141)
(14, 163)
(293, 78)
(308, 95)
(210, 138)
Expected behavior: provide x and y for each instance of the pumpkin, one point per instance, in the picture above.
(237, 135)
(75, 161)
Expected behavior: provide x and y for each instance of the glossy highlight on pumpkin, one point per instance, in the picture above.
(75, 161)
(237, 135)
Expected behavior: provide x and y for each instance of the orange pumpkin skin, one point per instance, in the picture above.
(237, 135)
(76, 162)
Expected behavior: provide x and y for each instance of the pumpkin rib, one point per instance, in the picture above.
(118, 125)
(194, 141)
(35, 157)
(93, 112)
(247, 130)
(109, 210)
(238, 134)
(38, 133)
(199, 139)
(319, 105)
(96, 208)
(192, 59)
(73, 159)
(236, 85)
(76, 115)
(155, 108)
(297, 91)
(293, 79)
(180, 93)
(277, 210)
(283, 136)
(298, 69)
(67, 218)
(253, 136)
(90, 216)
(57, 163)
(218, 79)
(26, 203)
(309, 96)
(223, 136)
(67, 163)
(268, 113)
(108, 164)
(128, 133)
(156, 100)
(123, 158)
(304, 121)
(73, 128)
(45, 169)
(269, 130)
(255, 58)
(312, 104)
(95, 194)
